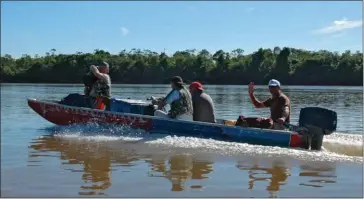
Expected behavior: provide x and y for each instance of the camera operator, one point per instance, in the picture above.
(98, 83)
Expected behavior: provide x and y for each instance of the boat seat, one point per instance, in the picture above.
(131, 106)
(75, 99)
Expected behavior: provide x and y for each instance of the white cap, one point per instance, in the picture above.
(274, 82)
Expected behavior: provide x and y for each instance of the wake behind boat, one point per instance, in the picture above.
(139, 114)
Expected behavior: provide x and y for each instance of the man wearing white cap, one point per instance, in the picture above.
(279, 103)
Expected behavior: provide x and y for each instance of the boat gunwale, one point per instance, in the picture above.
(53, 102)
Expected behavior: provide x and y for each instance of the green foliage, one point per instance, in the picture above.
(289, 65)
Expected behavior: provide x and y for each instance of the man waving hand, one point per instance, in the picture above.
(279, 103)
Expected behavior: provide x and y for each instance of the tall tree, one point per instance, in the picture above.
(289, 65)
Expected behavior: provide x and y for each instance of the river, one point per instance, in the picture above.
(39, 159)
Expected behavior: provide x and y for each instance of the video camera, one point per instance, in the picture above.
(89, 78)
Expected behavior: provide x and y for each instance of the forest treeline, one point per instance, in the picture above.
(289, 65)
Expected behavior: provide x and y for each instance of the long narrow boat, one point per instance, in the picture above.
(139, 114)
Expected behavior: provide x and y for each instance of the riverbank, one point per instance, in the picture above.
(186, 82)
(291, 66)
(206, 86)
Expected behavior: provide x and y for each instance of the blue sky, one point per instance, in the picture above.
(36, 27)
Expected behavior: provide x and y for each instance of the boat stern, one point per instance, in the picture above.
(295, 141)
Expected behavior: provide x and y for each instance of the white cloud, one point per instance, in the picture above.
(124, 31)
(338, 26)
(338, 35)
(251, 9)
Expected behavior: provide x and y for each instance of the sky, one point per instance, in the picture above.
(70, 26)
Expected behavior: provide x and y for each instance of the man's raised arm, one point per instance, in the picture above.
(97, 73)
(254, 100)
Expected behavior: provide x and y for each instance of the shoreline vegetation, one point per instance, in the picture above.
(289, 65)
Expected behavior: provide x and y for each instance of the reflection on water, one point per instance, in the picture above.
(179, 169)
(276, 174)
(97, 160)
(318, 175)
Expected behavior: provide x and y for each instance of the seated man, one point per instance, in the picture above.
(180, 101)
(100, 90)
(279, 104)
(203, 107)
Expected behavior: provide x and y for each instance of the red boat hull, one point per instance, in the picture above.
(66, 115)
(60, 114)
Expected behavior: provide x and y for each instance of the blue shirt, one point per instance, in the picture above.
(175, 95)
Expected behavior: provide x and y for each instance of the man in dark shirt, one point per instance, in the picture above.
(203, 107)
(279, 103)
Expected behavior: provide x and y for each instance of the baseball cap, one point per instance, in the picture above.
(274, 82)
(196, 85)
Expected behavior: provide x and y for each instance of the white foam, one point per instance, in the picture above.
(98, 137)
(345, 138)
(344, 143)
(237, 149)
(338, 147)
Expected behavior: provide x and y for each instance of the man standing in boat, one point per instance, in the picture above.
(180, 101)
(101, 89)
(279, 104)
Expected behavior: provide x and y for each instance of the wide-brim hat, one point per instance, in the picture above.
(177, 80)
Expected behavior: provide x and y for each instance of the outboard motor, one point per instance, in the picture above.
(316, 122)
